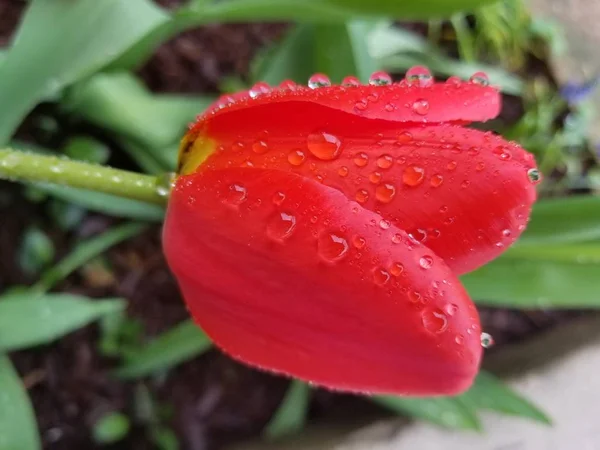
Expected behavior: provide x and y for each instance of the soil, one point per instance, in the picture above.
(213, 400)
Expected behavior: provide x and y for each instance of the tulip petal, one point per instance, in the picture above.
(291, 276)
(455, 101)
(466, 193)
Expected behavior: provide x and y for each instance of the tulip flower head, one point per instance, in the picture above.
(318, 231)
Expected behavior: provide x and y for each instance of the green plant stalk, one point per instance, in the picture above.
(16, 165)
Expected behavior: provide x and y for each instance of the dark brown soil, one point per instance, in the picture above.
(213, 399)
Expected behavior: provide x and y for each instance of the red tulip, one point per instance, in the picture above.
(319, 231)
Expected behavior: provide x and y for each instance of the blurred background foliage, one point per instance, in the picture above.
(69, 77)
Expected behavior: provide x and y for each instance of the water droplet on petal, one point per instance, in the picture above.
(343, 171)
(451, 309)
(502, 153)
(381, 276)
(375, 177)
(380, 79)
(434, 320)
(324, 146)
(385, 192)
(396, 269)
(436, 180)
(419, 76)
(454, 81)
(397, 238)
(358, 241)
(332, 247)
(361, 159)
(486, 340)
(288, 84)
(281, 226)
(259, 89)
(350, 81)
(413, 175)
(534, 176)
(296, 157)
(480, 78)
(385, 161)
(506, 232)
(426, 262)
(420, 107)
(319, 80)
(459, 339)
(452, 165)
(236, 194)
(260, 147)
(362, 195)
(278, 198)
(384, 224)
(414, 296)
(404, 137)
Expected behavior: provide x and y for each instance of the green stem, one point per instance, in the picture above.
(21, 166)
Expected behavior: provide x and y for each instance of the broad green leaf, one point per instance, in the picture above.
(179, 344)
(111, 428)
(29, 319)
(290, 417)
(540, 276)
(324, 10)
(18, 427)
(449, 412)
(337, 50)
(85, 251)
(60, 42)
(121, 103)
(105, 203)
(569, 219)
(488, 392)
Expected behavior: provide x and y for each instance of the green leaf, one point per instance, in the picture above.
(111, 428)
(290, 417)
(540, 276)
(337, 50)
(36, 250)
(105, 203)
(88, 149)
(449, 412)
(179, 344)
(120, 103)
(60, 42)
(18, 427)
(324, 10)
(84, 252)
(27, 319)
(569, 219)
(488, 392)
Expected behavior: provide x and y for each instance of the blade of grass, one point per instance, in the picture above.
(18, 427)
(84, 252)
(290, 417)
(27, 319)
(181, 343)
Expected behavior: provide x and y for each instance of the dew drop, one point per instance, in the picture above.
(534, 176)
(381, 276)
(434, 320)
(385, 192)
(259, 89)
(278, 198)
(358, 241)
(362, 195)
(332, 247)
(319, 80)
(506, 232)
(384, 224)
(404, 137)
(343, 171)
(486, 340)
(452, 165)
(426, 262)
(480, 78)
(380, 79)
(396, 269)
(350, 81)
(465, 184)
(479, 167)
(236, 194)
(361, 105)
(397, 238)
(419, 76)
(413, 175)
(459, 339)
(324, 146)
(436, 180)
(361, 159)
(414, 296)
(420, 106)
(288, 85)
(502, 153)
(454, 81)
(260, 147)
(451, 309)
(418, 235)
(296, 157)
(389, 107)
(375, 177)
(281, 226)
(385, 161)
